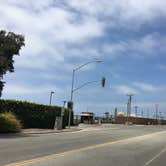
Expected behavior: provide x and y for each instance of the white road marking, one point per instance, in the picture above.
(155, 157)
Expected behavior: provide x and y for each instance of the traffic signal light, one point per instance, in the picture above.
(70, 105)
(103, 82)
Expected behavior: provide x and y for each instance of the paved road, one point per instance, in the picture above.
(107, 145)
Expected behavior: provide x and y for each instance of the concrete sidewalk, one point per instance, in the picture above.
(47, 131)
(83, 127)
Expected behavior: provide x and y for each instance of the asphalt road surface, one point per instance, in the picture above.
(108, 145)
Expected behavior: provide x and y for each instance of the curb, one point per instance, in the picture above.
(35, 132)
(49, 132)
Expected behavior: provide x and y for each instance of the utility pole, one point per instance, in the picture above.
(129, 102)
(160, 118)
(156, 113)
(142, 113)
(136, 110)
(127, 112)
(129, 106)
(148, 113)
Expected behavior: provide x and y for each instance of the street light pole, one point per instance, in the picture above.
(72, 86)
(51, 97)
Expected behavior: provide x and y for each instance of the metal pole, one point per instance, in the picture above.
(62, 113)
(71, 97)
(127, 112)
(72, 87)
(130, 104)
(51, 97)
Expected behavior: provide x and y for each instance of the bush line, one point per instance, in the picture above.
(34, 115)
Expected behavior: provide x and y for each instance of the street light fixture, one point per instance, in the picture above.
(72, 86)
(78, 68)
(51, 93)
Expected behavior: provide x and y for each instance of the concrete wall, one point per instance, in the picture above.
(136, 120)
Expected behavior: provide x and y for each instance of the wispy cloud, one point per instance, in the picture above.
(162, 67)
(149, 87)
(22, 89)
(124, 90)
(146, 46)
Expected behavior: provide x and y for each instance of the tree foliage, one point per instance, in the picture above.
(10, 45)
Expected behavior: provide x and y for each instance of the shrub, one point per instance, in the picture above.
(34, 115)
(9, 123)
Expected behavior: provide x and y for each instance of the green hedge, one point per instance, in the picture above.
(33, 115)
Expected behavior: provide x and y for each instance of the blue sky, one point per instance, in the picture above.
(128, 36)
